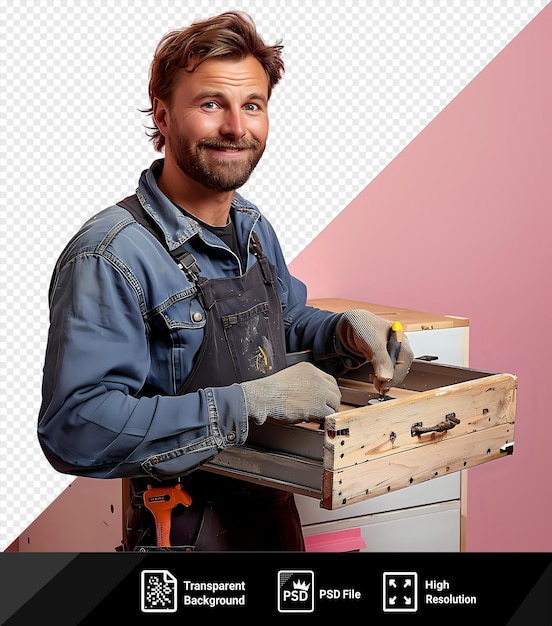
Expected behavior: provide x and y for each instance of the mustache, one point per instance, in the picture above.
(220, 144)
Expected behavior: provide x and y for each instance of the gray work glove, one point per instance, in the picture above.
(299, 393)
(366, 335)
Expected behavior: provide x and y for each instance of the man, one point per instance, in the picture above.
(172, 312)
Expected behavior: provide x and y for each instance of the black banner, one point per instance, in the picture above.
(171, 587)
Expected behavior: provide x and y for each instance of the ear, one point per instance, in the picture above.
(160, 115)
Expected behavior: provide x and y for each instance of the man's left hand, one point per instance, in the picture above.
(366, 335)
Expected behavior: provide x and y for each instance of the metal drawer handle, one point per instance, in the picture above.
(448, 423)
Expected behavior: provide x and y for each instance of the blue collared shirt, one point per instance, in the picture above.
(122, 315)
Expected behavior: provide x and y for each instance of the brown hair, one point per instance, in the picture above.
(230, 34)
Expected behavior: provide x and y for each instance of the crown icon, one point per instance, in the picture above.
(299, 584)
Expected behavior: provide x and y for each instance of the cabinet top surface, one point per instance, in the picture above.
(410, 319)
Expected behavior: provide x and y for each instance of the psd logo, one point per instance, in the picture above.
(295, 591)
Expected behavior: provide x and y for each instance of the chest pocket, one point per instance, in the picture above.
(244, 337)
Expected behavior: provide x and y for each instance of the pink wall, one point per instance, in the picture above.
(467, 230)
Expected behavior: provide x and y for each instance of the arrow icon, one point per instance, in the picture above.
(400, 591)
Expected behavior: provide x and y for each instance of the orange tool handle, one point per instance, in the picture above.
(161, 501)
(163, 530)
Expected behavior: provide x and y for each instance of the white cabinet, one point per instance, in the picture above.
(423, 518)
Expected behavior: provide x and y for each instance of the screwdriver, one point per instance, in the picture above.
(394, 343)
(393, 348)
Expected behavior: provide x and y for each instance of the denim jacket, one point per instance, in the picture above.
(124, 316)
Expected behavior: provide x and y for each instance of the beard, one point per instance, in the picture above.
(195, 161)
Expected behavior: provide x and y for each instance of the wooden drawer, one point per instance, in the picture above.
(372, 449)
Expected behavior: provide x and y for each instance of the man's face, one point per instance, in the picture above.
(217, 126)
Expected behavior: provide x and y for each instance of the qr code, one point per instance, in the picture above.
(158, 591)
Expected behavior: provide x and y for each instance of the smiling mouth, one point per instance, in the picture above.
(227, 153)
(220, 146)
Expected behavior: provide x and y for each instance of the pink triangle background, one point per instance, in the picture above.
(460, 223)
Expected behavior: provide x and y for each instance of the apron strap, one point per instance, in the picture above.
(183, 258)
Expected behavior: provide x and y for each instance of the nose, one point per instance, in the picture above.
(233, 124)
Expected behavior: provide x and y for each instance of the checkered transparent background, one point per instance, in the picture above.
(363, 79)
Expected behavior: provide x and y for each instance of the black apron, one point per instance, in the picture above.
(243, 340)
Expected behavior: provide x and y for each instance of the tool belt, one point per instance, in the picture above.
(223, 514)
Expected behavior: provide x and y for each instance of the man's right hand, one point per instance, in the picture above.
(299, 393)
